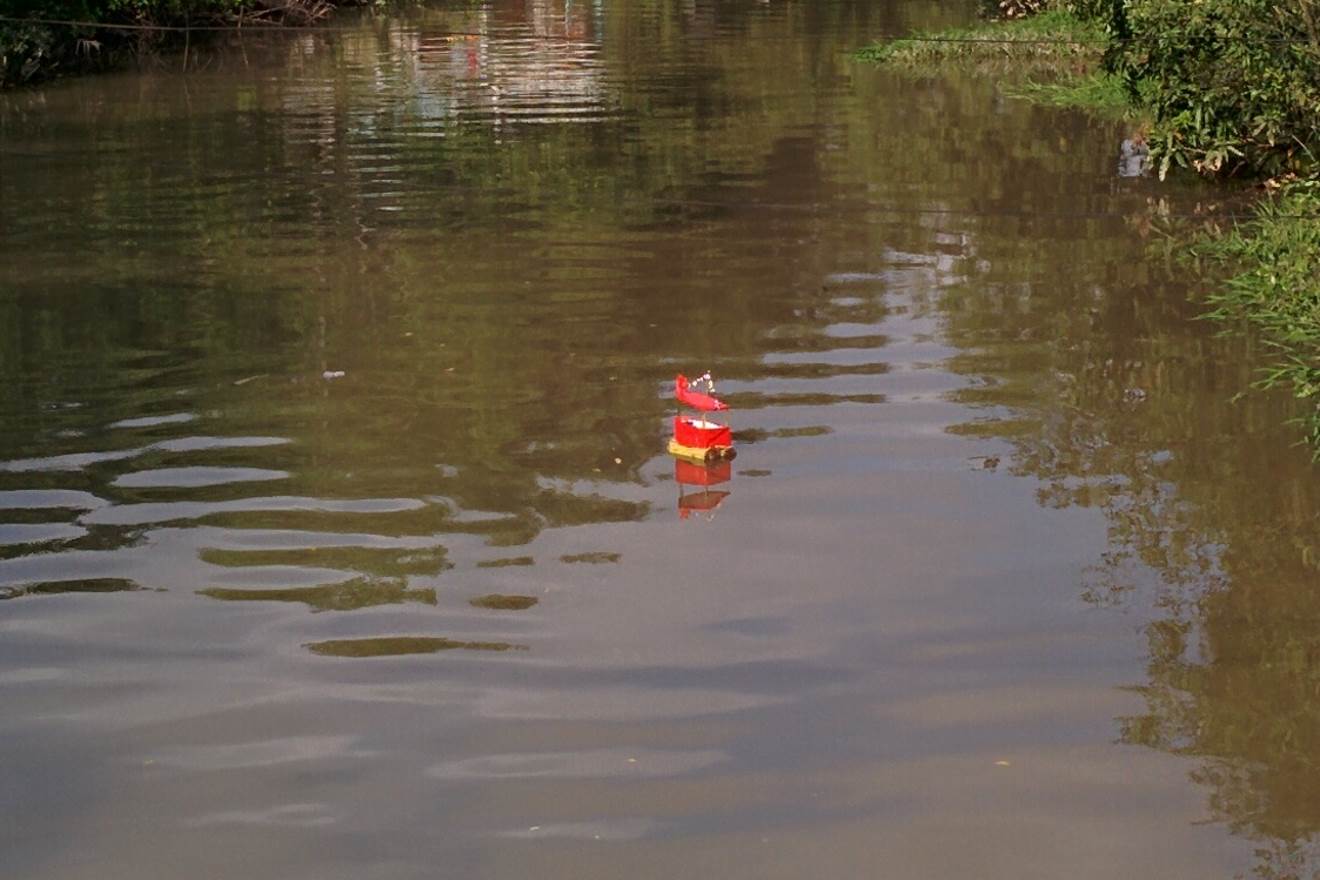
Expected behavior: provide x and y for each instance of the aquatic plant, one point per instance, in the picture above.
(1272, 264)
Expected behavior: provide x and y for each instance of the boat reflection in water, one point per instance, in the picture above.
(695, 495)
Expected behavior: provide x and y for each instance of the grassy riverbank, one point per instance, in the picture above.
(1055, 57)
(1053, 37)
(47, 38)
(1222, 88)
(1272, 265)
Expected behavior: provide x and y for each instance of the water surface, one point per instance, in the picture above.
(337, 538)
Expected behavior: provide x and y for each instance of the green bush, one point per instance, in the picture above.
(1232, 85)
(25, 51)
(1108, 11)
(1089, 10)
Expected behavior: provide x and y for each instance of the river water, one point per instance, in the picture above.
(337, 537)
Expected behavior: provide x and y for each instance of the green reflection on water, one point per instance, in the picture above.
(86, 585)
(395, 646)
(347, 596)
(501, 602)
(376, 562)
(506, 562)
(595, 557)
(1099, 391)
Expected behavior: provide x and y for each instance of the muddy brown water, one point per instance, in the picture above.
(337, 537)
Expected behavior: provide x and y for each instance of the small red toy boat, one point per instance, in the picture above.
(697, 438)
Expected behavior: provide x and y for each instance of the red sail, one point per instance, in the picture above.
(696, 399)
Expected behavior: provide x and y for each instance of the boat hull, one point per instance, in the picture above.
(701, 434)
(701, 455)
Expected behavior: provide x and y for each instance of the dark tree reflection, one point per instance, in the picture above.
(1114, 398)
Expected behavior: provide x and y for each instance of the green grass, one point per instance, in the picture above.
(1096, 92)
(1045, 39)
(1051, 59)
(1273, 268)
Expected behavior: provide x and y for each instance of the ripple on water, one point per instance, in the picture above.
(154, 421)
(258, 753)
(148, 513)
(47, 499)
(190, 477)
(349, 595)
(588, 763)
(281, 815)
(202, 443)
(76, 461)
(605, 829)
(39, 533)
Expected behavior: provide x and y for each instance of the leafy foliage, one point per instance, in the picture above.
(1090, 10)
(1021, 8)
(25, 51)
(1233, 85)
